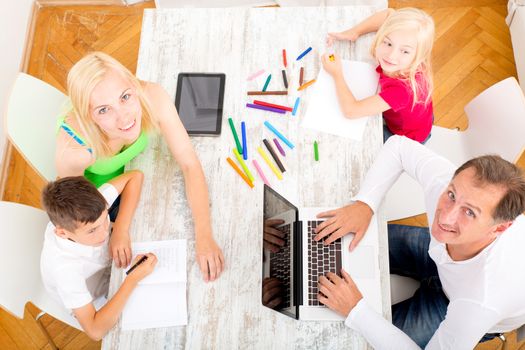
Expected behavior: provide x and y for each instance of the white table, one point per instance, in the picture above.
(227, 314)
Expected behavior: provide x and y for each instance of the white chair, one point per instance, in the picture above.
(21, 240)
(211, 3)
(496, 126)
(32, 112)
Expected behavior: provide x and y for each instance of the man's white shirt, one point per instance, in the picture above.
(73, 273)
(486, 292)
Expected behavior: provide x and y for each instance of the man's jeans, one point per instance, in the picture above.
(419, 316)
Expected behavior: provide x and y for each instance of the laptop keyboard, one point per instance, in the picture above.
(280, 263)
(321, 260)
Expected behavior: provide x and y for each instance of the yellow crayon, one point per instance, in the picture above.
(270, 164)
(243, 165)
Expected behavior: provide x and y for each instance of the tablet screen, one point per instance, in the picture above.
(199, 102)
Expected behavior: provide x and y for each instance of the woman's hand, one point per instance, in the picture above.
(209, 258)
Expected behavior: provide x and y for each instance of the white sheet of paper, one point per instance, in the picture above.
(323, 112)
(159, 300)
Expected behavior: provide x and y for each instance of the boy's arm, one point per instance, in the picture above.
(97, 323)
(129, 186)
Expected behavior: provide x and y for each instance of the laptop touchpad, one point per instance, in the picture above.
(361, 262)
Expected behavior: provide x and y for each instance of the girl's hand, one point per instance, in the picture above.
(120, 247)
(349, 35)
(209, 258)
(145, 268)
(332, 67)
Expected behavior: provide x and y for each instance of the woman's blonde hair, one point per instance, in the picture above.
(423, 29)
(82, 80)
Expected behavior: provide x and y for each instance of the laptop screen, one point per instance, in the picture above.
(280, 219)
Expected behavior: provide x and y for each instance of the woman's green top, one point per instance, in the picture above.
(105, 169)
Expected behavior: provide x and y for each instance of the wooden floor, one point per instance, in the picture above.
(472, 51)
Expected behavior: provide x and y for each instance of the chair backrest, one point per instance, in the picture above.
(32, 112)
(496, 126)
(21, 241)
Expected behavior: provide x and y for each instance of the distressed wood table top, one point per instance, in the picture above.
(227, 313)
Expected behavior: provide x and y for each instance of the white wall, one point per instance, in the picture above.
(14, 25)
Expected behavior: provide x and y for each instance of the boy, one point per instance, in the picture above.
(76, 257)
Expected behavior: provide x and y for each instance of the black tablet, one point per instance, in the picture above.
(199, 101)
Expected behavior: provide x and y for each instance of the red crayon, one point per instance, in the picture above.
(284, 57)
(262, 103)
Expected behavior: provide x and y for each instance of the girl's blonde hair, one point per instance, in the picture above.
(81, 81)
(423, 28)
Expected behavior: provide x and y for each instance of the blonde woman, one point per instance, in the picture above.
(108, 125)
(402, 48)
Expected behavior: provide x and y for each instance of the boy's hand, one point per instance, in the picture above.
(144, 269)
(353, 218)
(332, 67)
(209, 258)
(350, 35)
(120, 247)
(339, 294)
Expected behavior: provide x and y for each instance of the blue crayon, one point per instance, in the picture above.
(296, 105)
(267, 82)
(279, 135)
(244, 141)
(304, 53)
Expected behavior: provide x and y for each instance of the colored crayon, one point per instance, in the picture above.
(274, 156)
(260, 172)
(265, 108)
(243, 165)
(279, 135)
(301, 75)
(316, 151)
(331, 58)
(244, 141)
(284, 58)
(239, 171)
(255, 75)
(267, 82)
(267, 104)
(296, 105)
(285, 81)
(305, 85)
(237, 143)
(303, 53)
(279, 147)
(267, 92)
(267, 160)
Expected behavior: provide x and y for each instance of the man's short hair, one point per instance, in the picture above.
(494, 170)
(71, 201)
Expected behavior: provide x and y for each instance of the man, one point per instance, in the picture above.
(470, 263)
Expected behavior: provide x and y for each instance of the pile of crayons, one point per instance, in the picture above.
(241, 153)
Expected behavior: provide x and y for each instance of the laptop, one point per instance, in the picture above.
(300, 262)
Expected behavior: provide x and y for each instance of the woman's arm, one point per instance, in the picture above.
(351, 107)
(209, 255)
(71, 159)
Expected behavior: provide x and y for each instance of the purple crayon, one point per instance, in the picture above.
(278, 145)
(265, 108)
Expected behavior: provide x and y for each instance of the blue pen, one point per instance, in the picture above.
(244, 141)
(296, 105)
(279, 135)
(304, 53)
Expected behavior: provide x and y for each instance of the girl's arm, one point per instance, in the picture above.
(351, 107)
(369, 25)
(209, 255)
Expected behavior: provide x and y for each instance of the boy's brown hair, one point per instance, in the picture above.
(70, 201)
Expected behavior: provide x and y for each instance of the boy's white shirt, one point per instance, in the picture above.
(73, 273)
(485, 292)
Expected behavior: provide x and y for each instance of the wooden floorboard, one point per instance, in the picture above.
(472, 50)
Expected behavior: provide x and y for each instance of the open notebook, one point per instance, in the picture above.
(159, 300)
(323, 112)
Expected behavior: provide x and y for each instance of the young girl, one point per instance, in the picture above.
(402, 49)
(108, 125)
